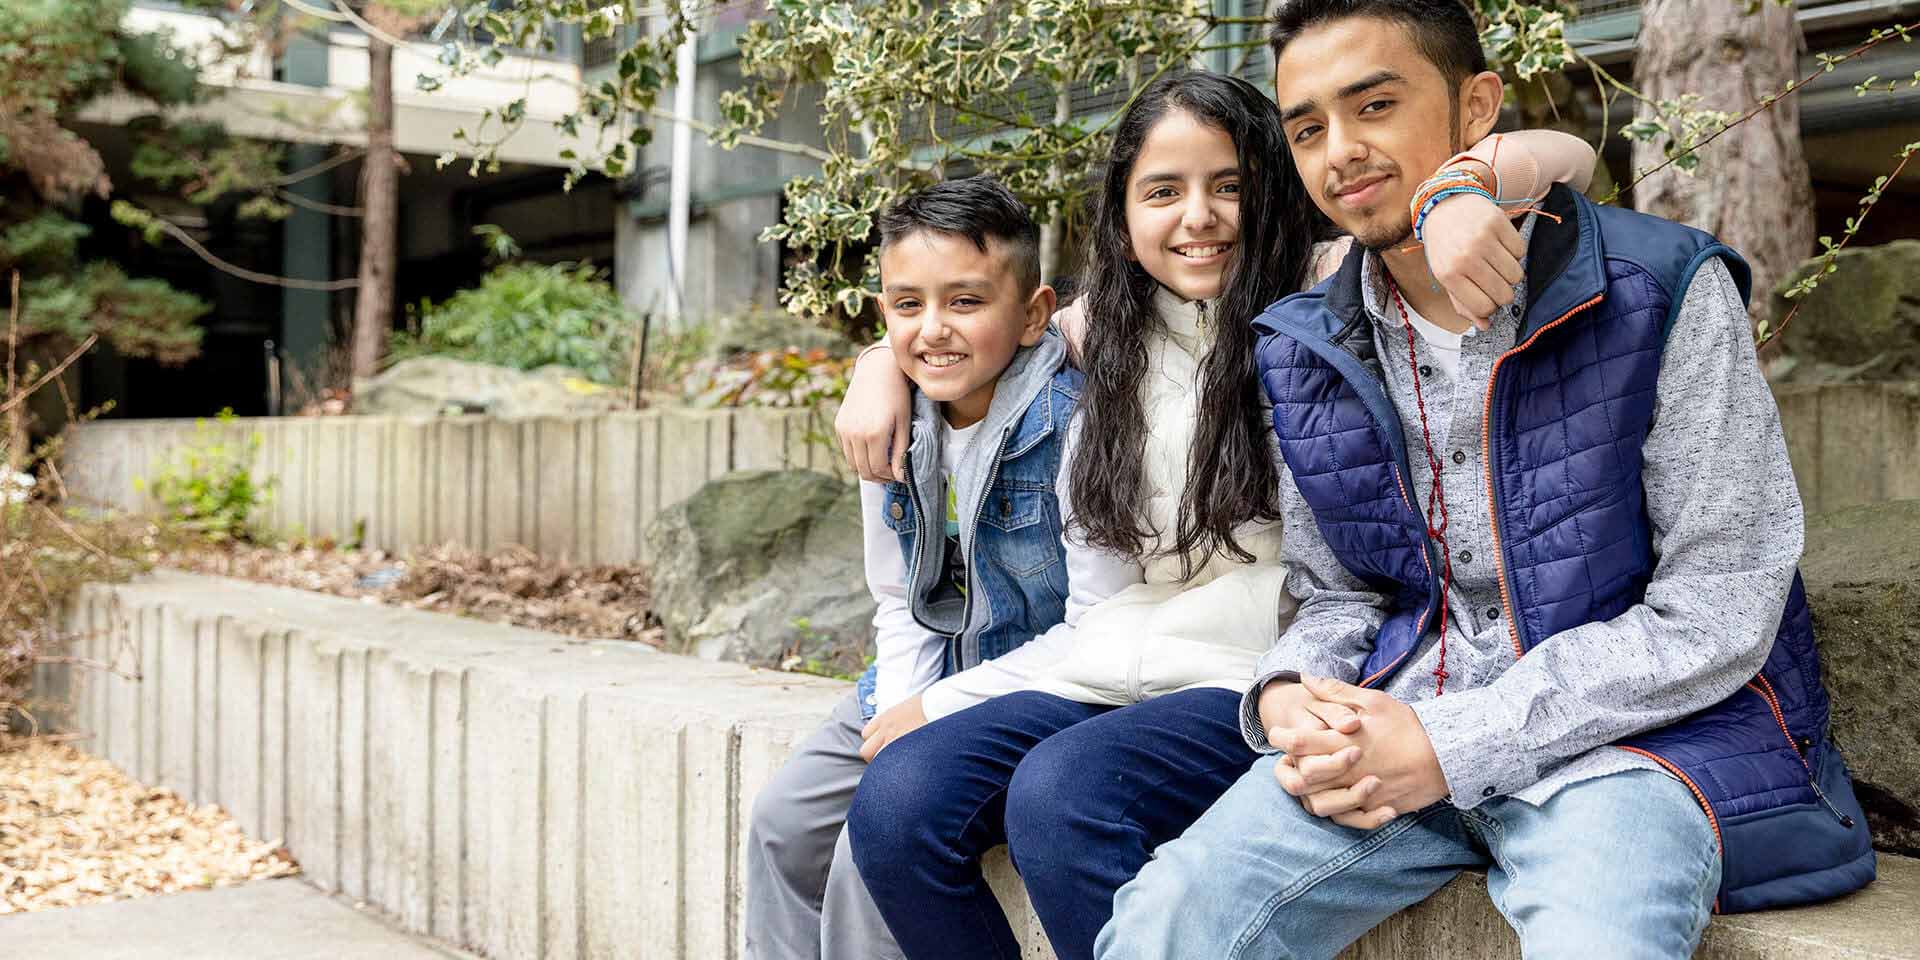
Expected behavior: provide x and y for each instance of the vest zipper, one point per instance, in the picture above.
(1493, 489)
(1698, 797)
(1764, 687)
(1420, 625)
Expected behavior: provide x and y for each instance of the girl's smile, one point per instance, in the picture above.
(1183, 205)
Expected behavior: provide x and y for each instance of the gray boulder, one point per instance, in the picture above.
(765, 567)
(1862, 569)
(1861, 323)
(442, 385)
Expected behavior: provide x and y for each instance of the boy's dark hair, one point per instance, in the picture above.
(979, 208)
(1442, 29)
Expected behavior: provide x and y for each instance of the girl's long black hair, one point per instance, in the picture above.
(1231, 475)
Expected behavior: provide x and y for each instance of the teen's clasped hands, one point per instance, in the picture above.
(1355, 756)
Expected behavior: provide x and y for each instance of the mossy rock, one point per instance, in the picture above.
(762, 567)
(1862, 569)
(1866, 312)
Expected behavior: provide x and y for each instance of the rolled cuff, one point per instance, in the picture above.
(1252, 729)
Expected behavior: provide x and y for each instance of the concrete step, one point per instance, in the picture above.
(262, 920)
(527, 795)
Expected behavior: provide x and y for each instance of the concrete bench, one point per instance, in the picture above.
(527, 795)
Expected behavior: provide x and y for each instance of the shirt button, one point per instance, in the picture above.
(1459, 456)
(1426, 371)
(896, 511)
(1493, 613)
(1466, 556)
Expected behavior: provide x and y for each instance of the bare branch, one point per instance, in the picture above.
(20, 397)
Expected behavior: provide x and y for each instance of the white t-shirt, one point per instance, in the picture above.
(909, 659)
(1440, 347)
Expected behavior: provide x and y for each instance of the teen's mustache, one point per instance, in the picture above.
(1347, 178)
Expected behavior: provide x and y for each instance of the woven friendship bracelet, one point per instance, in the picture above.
(1433, 200)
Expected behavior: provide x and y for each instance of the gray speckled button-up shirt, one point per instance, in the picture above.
(1727, 534)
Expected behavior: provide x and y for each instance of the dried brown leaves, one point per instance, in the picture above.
(75, 830)
(510, 585)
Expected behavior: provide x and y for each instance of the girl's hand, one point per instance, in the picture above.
(875, 422)
(1474, 253)
(899, 720)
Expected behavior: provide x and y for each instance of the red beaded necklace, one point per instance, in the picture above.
(1436, 498)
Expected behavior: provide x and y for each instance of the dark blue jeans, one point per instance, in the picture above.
(1081, 795)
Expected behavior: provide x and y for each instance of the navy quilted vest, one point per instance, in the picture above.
(1568, 410)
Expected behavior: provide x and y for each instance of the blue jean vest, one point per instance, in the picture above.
(1010, 535)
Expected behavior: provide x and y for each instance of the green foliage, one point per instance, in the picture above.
(1530, 38)
(44, 243)
(910, 91)
(55, 56)
(527, 315)
(153, 66)
(203, 163)
(207, 485)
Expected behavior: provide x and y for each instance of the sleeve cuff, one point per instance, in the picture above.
(1251, 728)
(1476, 751)
(939, 700)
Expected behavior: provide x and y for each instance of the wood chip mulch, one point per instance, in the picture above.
(75, 830)
(511, 585)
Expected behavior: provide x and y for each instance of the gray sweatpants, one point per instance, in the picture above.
(805, 900)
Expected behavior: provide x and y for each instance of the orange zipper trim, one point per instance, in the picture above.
(1773, 703)
(1493, 508)
(1419, 627)
(1701, 798)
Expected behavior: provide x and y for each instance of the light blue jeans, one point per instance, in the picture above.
(1620, 866)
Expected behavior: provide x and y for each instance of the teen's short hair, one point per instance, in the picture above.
(979, 208)
(1442, 29)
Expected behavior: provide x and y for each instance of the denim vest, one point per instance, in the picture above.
(1608, 285)
(1010, 519)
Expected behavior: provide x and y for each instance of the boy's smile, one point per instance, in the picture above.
(955, 317)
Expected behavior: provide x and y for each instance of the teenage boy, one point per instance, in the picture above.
(968, 609)
(1550, 624)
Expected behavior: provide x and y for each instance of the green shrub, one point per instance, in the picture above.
(528, 315)
(206, 486)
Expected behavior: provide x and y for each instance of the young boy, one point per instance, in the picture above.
(977, 587)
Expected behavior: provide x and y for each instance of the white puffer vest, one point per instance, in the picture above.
(1164, 635)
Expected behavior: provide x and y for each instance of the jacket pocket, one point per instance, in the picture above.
(1018, 526)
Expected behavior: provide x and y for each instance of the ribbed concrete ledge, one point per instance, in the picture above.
(525, 795)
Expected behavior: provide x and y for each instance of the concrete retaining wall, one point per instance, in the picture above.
(586, 487)
(526, 795)
(581, 487)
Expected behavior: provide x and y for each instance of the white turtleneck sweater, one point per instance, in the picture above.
(1164, 635)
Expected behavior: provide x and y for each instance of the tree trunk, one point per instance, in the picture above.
(380, 187)
(1753, 190)
(1053, 233)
